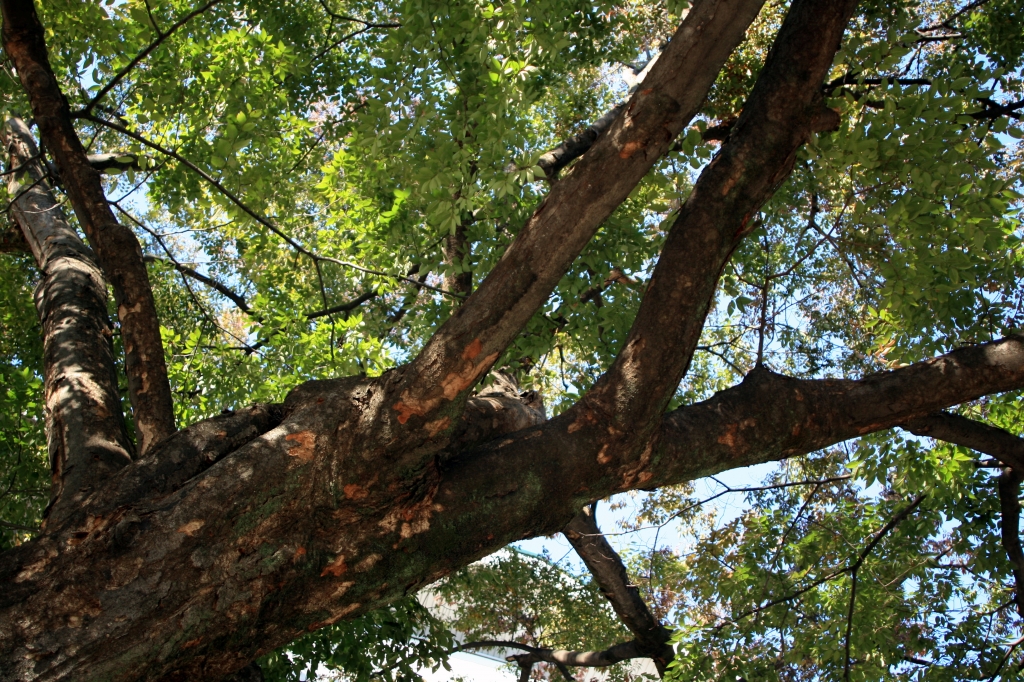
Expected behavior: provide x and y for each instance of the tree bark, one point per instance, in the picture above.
(783, 110)
(275, 538)
(953, 428)
(85, 432)
(468, 343)
(116, 247)
(241, 533)
(604, 563)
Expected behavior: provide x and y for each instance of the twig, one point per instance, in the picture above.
(161, 37)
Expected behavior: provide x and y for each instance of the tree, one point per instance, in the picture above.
(846, 261)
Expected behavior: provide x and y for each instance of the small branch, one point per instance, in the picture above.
(250, 212)
(849, 625)
(120, 162)
(576, 146)
(995, 110)
(560, 657)
(16, 526)
(610, 574)
(343, 307)
(850, 568)
(237, 299)
(161, 37)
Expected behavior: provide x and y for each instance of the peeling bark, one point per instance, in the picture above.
(277, 538)
(464, 348)
(85, 432)
(239, 534)
(117, 250)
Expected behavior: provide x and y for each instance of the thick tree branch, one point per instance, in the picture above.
(968, 433)
(464, 348)
(604, 563)
(334, 546)
(85, 432)
(116, 246)
(783, 110)
(1009, 530)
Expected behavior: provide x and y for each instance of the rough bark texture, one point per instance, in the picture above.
(275, 538)
(86, 438)
(464, 348)
(237, 535)
(116, 247)
(783, 110)
(610, 574)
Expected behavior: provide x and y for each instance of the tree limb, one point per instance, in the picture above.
(161, 37)
(117, 249)
(1009, 530)
(968, 433)
(85, 433)
(784, 108)
(577, 145)
(605, 564)
(1005, 447)
(466, 345)
(221, 289)
(335, 541)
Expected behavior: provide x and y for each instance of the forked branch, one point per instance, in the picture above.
(116, 247)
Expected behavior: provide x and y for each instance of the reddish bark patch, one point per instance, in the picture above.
(354, 491)
(630, 148)
(191, 528)
(305, 444)
(437, 426)
(337, 568)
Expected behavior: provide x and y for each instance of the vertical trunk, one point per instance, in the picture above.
(85, 430)
(117, 250)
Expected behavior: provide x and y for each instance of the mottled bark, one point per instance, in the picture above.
(605, 564)
(464, 348)
(85, 432)
(245, 531)
(783, 110)
(116, 247)
(276, 538)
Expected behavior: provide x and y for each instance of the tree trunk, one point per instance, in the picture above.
(85, 431)
(238, 534)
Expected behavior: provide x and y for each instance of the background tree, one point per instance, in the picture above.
(323, 224)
